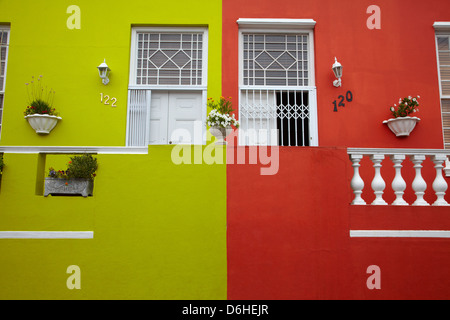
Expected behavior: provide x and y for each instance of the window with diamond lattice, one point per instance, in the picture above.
(277, 96)
(279, 59)
(169, 58)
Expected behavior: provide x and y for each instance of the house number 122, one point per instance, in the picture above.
(105, 100)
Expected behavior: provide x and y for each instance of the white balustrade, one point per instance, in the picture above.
(357, 183)
(378, 183)
(398, 184)
(398, 156)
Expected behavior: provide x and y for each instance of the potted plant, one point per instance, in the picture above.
(402, 123)
(221, 119)
(40, 113)
(78, 179)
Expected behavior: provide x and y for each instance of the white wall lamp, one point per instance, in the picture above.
(337, 70)
(103, 71)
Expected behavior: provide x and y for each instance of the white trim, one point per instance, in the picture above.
(166, 87)
(204, 67)
(400, 233)
(8, 31)
(75, 149)
(384, 151)
(168, 29)
(46, 234)
(276, 23)
(441, 26)
(297, 26)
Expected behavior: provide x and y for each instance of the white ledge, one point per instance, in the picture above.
(276, 23)
(46, 234)
(388, 151)
(73, 149)
(442, 25)
(399, 233)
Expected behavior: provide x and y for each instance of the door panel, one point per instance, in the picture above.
(158, 117)
(185, 116)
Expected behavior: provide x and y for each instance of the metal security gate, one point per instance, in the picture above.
(276, 117)
(138, 117)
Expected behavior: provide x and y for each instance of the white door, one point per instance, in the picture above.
(175, 118)
(158, 118)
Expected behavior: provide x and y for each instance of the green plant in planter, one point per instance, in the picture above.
(82, 167)
(40, 99)
(78, 179)
(405, 107)
(79, 167)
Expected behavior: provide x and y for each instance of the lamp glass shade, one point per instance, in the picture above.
(337, 69)
(103, 70)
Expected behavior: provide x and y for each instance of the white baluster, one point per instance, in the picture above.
(357, 182)
(398, 184)
(419, 185)
(378, 183)
(439, 184)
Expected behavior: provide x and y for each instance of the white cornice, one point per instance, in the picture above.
(46, 234)
(276, 23)
(442, 25)
(73, 149)
(399, 233)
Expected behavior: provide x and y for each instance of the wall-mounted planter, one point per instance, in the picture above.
(402, 126)
(55, 186)
(220, 133)
(42, 123)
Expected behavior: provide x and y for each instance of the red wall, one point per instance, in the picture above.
(288, 234)
(380, 66)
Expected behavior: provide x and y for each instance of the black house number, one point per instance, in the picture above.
(340, 100)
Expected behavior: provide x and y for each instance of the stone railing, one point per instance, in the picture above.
(397, 156)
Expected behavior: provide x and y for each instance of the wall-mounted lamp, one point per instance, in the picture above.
(337, 70)
(103, 71)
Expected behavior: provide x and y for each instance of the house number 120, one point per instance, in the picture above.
(105, 100)
(348, 97)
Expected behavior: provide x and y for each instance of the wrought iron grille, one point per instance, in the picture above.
(275, 117)
(275, 60)
(169, 58)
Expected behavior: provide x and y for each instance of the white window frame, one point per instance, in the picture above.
(4, 28)
(284, 26)
(149, 88)
(442, 28)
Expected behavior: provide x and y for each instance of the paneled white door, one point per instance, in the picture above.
(173, 117)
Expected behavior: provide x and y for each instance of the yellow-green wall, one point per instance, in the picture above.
(159, 228)
(42, 44)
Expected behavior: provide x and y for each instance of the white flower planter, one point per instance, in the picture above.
(402, 126)
(42, 123)
(220, 133)
(56, 186)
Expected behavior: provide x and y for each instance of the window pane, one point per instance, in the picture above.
(445, 85)
(276, 54)
(163, 56)
(443, 43)
(445, 73)
(444, 58)
(446, 105)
